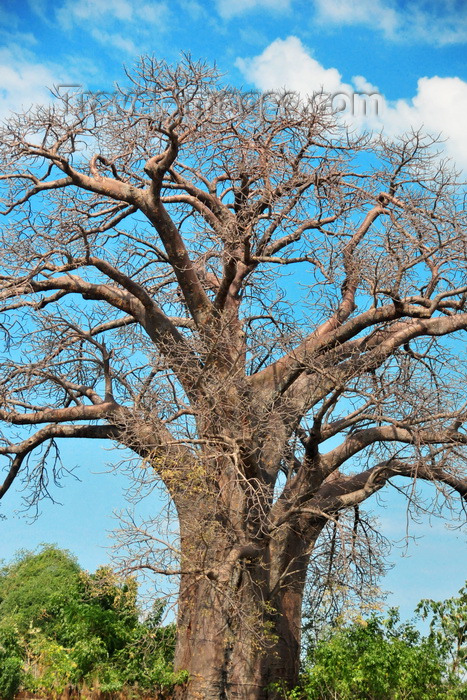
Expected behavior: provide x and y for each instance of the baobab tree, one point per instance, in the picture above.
(265, 309)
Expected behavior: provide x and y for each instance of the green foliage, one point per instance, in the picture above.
(379, 659)
(50, 668)
(448, 627)
(61, 626)
(35, 585)
(11, 662)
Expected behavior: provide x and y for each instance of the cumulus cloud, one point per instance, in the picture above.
(432, 21)
(231, 8)
(439, 105)
(287, 64)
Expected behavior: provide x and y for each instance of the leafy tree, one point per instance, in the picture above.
(11, 661)
(61, 626)
(143, 246)
(448, 627)
(35, 585)
(378, 659)
(33, 591)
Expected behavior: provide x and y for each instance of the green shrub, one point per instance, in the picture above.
(62, 626)
(379, 659)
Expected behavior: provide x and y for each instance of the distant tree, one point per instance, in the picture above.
(379, 659)
(34, 584)
(60, 626)
(448, 627)
(143, 302)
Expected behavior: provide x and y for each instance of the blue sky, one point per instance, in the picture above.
(412, 54)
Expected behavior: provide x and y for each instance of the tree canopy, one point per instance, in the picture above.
(378, 658)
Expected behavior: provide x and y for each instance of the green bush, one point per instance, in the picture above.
(379, 659)
(62, 626)
(11, 662)
(35, 586)
(448, 628)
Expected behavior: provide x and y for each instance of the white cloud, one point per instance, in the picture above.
(194, 9)
(39, 7)
(286, 63)
(24, 82)
(231, 8)
(9, 37)
(438, 22)
(116, 40)
(374, 12)
(91, 10)
(362, 84)
(439, 105)
(104, 20)
(155, 13)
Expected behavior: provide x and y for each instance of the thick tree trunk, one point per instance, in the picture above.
(239, 637)
(241, 590)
